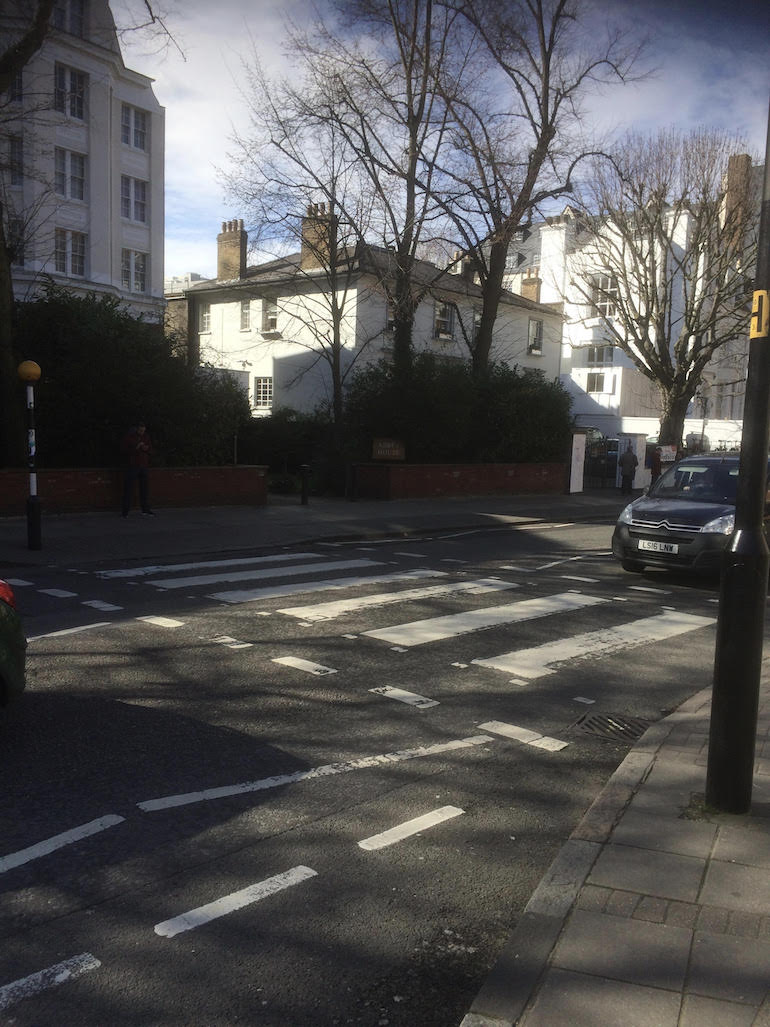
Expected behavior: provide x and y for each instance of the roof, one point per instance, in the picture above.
(365, 260)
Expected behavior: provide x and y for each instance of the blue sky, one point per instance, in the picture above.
(711, 68)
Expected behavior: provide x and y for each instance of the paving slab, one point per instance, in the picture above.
(729, 968)
(663, 874)
(580, 1000)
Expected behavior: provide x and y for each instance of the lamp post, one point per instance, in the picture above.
(29, 372)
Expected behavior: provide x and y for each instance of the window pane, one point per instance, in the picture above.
(140, 272)
(78, 254)
(140, 200)
(77, 176)
(263, 392)
(125, 197)
(140, 130)
(77, 94)
(125, 124)
(245, 314)
(125, 268)
(60, 256)
(60, 88)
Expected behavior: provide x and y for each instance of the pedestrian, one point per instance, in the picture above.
(136, 448)
(654, 465)
(628, 464)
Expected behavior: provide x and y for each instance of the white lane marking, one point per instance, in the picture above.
(542, 659)
(401, 695)
(276, 591)
(99, 604)
(435, 628)
(410, 827)
(522, 734)
(229, 903)
(57, 593)
(58, 841)
(295, 570)
(556, 563)
(310, 668)
(512, 567)
(582, 698)
(231, 643)
(143, 572)
(576, 577)
(72, 631)
(646, 588)
(53, 976)
(19, 582)
(412, 556)
(335, 608)
(330, 770)
(162, 622)
(538, 526)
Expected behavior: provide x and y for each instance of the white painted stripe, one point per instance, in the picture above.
(68, 970)
(581, 698)
(160, 568)
(58, 841)
(412, 556)
(57, 593)
(576, 577)
(162, 622)
(335, 608)
(72, 631)
(231, 643)
(512, 567)
(330, 770)
(277, 591)
(410, 827)
(646, 588)
(19, 582)
(541, 660)
(410, 698)
(295, 570)
(307, 665)
(522, 734)
(99, 604)
(436, 628)
(229, 903)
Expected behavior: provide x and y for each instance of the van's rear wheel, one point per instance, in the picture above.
(632, 565)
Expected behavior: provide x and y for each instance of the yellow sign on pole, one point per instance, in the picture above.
(760, 315)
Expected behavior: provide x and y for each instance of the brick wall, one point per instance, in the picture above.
(67, 489)
(414, 481)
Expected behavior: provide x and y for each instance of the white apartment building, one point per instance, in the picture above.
(271, 324)
(558, 260)
(82, 175)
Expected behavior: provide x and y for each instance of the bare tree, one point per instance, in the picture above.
(668, 258)
(518, 130)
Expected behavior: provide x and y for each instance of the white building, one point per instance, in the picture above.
(560, 260)
(83, 167)
(270, 325)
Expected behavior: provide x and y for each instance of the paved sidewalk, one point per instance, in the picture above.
(656, 913)
(81, 538)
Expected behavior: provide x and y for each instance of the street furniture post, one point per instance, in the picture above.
(29, 372)
(743, 590)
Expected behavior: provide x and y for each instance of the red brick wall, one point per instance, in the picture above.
(414, 481)
(66, 489)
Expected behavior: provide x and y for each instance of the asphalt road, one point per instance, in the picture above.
(318, 786)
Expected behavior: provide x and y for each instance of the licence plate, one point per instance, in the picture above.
(658, 547)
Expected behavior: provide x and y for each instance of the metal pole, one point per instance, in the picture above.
(34, 535)
(743, 593)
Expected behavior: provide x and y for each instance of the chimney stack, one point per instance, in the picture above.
(530, 285)
(231, 251)
(318, 236)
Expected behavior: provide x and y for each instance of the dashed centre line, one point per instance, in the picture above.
(58, 841)
(51, 977)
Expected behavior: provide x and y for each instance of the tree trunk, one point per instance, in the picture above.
(674, 411)
(491, 288)
(12, 449)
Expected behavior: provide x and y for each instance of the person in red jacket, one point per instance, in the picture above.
(136, 448)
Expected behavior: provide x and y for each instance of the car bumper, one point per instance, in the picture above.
(696, 551)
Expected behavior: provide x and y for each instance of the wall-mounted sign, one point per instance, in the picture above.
(388, 449)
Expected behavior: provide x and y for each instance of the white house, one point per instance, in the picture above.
(558, 259)
(272, 325)
(83, 168)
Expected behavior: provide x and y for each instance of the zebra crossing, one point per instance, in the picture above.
(378, 583)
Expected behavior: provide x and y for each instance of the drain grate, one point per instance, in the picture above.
(616, 728)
